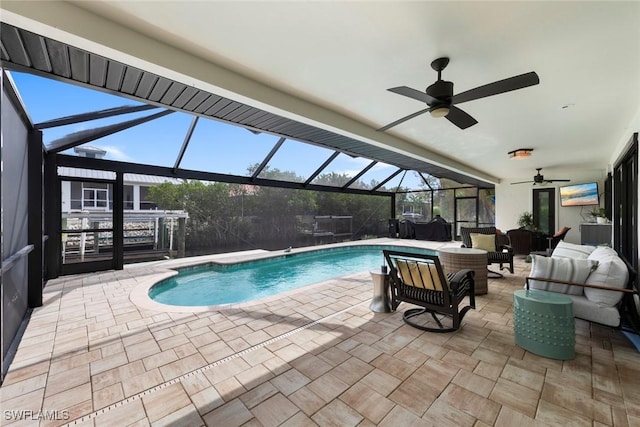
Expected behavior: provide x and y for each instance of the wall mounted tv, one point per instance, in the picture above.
(579, 194)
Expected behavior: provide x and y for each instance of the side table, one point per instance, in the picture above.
(380, 303)
(455, 259)
(543, 323)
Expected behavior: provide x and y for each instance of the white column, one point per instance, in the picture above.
(136, 197)
(65, 195)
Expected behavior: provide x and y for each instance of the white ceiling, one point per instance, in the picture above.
(342, 56)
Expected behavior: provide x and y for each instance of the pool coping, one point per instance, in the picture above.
(140, 293)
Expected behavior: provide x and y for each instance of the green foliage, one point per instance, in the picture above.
(232, 215)
(525, 220)
(212, 209)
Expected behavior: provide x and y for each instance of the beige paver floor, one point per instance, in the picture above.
(316, 356)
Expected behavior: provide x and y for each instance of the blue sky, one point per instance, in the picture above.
(214, 146)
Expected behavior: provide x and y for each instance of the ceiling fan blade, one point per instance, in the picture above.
(402, 120)
(413, 93)
(501, 86)
(460, 118)
(557, 180)
(522, 182)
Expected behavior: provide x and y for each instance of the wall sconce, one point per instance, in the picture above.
(520, 153)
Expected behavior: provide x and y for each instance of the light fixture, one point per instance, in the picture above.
(439, 111)
(520, 153)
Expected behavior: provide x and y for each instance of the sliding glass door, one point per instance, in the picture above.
(625, 204)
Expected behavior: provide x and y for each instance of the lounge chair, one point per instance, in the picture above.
(419, 279)
(557, 237)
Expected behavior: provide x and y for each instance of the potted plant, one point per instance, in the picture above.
(525, 220)
(599, 214)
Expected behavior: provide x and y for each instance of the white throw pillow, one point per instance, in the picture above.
(571, 250)
(610, 272)
(565, 269)
(603, 253)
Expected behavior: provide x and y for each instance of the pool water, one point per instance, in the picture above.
(214, 284)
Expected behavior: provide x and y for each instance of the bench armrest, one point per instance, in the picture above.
(585, 285)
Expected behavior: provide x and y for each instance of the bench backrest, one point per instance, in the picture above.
(418, 270)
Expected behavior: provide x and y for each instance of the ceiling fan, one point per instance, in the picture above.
(441, 101)
(539, 179)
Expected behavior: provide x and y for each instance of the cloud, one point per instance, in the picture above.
(114, 153)
(356, 165)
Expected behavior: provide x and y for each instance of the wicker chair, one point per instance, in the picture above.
(523, 241)
(503, 253)
(419, 279)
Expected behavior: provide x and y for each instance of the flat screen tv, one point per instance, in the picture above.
(579, 194)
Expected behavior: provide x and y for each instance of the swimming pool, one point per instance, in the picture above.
(214, 284)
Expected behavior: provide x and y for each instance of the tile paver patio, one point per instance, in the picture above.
(317, 355)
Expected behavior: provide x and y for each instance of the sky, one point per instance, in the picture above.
(214, 146)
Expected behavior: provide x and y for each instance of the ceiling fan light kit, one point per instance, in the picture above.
(441, 101)
(439, 112)
(520, 153)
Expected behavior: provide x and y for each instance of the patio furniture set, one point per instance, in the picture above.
(591, 283)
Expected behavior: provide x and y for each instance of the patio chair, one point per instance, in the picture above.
(497, 251)
(522, 241)
(555, 239)
(419, 279)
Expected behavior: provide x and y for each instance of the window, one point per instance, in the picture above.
(128, 197)
(145, 203)
(95, 196)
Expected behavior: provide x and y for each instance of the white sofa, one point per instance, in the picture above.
(595, 278)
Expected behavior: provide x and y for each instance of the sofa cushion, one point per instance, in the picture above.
(603, 253)
(588, 310)
(565, 269)
(486, 242)
(610, 272)
(571, 250)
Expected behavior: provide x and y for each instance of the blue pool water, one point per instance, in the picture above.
(214, 284)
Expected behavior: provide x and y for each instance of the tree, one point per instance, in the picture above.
(252, 216)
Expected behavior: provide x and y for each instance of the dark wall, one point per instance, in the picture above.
(14, 237)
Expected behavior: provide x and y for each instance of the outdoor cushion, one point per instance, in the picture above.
(603, 253)
(561, 231)
(611, 272)
(565, 269)
(486, 242)
(588, 310)
(570, 250)
(420, 274)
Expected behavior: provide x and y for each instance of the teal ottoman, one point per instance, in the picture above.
(544, 324)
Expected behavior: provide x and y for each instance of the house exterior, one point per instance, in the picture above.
(89, 195)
